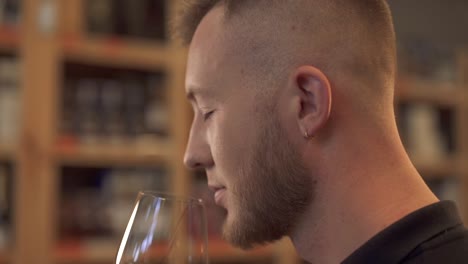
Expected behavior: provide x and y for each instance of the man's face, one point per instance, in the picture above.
(237, 137)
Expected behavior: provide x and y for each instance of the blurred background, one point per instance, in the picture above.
(92, 110)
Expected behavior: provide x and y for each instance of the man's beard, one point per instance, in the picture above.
(273, 190)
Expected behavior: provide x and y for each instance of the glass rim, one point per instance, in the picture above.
(171, 196)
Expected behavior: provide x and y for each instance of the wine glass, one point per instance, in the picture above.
(164, 228)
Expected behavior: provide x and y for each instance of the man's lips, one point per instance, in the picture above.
(219, 197)
(219, 194)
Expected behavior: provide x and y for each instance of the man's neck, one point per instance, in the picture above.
(356, 201)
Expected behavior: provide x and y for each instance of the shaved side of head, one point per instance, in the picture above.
(351, 41)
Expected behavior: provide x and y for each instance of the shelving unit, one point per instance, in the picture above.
(439, 169)
(5, 208)
(7, 153)
(39, 157)
(116, 52)
(101, 155)
(444, 94)
(90, 253)
(451, 97)
(10, 38)
(4, 257)
(104, 253)
(42, 152)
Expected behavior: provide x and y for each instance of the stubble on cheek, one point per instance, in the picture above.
(268, 194)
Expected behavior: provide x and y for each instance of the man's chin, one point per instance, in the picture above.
(236, 235)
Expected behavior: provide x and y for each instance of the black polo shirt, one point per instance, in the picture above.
(431, 235)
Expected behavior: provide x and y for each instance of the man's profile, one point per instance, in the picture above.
(294, 125)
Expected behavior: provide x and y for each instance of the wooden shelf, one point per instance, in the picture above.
(425, 91)
(88, 252)
(440, 169)
(104, 252)
(116, 52)
(10, 38)
(45, 56)
(7, 153)
(109, 155)
(4, 256)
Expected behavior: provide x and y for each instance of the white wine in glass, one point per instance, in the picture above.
(165, 229)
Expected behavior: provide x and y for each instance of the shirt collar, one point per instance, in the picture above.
(397, 241)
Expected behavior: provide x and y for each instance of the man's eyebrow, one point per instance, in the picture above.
(194, 91)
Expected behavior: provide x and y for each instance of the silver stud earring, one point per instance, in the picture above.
(307, 136)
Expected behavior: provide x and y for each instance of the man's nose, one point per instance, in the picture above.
(198, 153)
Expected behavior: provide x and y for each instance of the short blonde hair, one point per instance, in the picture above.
(341, 37)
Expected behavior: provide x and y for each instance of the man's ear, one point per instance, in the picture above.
(315, 99)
